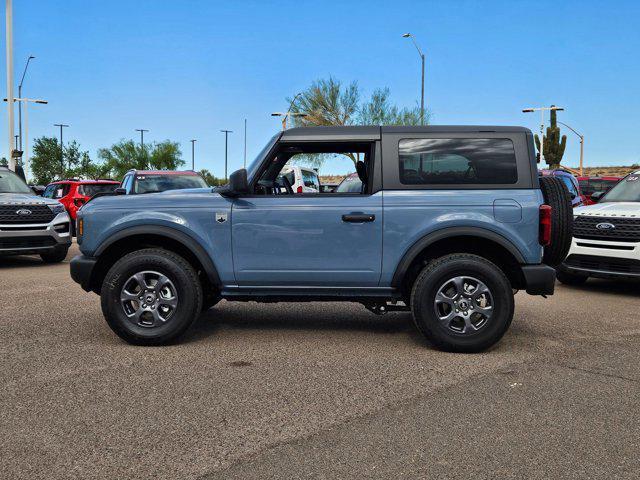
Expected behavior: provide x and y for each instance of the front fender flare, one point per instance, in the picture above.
(163, 231)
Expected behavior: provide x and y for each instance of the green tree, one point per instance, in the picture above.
(47, 166)
(327, 102)
(210, 178)
(127, 154)
(554, 144)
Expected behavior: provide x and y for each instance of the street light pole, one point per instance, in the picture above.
(409, 35)
(9, 41)
(193, 155)
(226, 150)
(286, 116)
(26, 127)
(541, 110)
(244, 164)
(141, 130)
(20, 95)
(61, 125)
(581, 145)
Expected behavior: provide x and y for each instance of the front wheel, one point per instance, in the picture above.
(462, 303)
(151, 297)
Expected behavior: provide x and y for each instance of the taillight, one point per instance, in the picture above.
(299, 189)
(544, 236)
(78, 202)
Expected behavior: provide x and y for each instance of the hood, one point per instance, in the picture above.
(186, 190)
(610, 209)
(25, 199)
(192, 198)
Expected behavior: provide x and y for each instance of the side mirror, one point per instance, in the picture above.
(238, 184)
(596, 196)
(120, 191)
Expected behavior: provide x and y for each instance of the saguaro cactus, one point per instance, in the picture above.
(554, 144)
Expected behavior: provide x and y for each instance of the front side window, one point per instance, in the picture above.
(451, 161)
(310, 179)
(56, 191)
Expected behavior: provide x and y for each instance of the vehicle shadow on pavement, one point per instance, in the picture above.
(22, 262)
(274, 317)
(626, 288)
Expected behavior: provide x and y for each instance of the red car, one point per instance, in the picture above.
(74, 193)
(591, 185)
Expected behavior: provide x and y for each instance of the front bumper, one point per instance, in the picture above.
(81, 269)
(36, 238)
(539, 279)
(603, 259)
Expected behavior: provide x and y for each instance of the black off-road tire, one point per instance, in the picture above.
(556, 194)
(429, 282)
(182, 275)
(571, 279)
(56, 255)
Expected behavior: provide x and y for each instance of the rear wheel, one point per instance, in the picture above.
(556, 194)
(462, 303)
(571, 278)
(151, 297)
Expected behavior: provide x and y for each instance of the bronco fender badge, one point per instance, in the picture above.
(221, 217)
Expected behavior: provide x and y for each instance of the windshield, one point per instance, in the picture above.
(11, 183)
(90, 189)
(628, 190)
(253, 166)
(162, 183)
(351, 184)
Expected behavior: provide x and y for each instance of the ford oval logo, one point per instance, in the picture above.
(605, 226)
(23, 212)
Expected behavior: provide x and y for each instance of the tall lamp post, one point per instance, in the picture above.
(61, 125)
(581, 145)
(226, 150)
(31, 57)
(541, 110)
(193, 154)
(409, 35)
(26, 102)
(9, 45)
(289, 113)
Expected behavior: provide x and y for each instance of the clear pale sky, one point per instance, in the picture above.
(186, 69)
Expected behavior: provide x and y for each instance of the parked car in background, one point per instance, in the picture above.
(29, 224)
(302, 180)
(591, 185)
(153, 181)
(74, 193)
(606, 236)
(578, 199)
(350, 184)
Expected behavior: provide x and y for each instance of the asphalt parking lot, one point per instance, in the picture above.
(315, 391)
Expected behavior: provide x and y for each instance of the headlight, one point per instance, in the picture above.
(56, 209)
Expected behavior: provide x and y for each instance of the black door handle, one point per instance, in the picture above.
(358, 217)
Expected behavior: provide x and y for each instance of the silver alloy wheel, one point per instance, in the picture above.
(149, 299)
(463, 304)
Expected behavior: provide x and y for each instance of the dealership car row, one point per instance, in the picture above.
(604, 240)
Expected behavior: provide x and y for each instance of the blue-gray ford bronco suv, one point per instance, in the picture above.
(448, 224)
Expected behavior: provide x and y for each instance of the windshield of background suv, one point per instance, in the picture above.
(90, 189)
(628, 190)
(162, 183)
(11, 183)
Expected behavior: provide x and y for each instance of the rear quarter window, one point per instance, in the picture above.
(457, 161)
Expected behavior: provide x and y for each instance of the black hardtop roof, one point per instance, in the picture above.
(373, 132)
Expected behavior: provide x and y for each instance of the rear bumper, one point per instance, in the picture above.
(539, 279)
(81, 269)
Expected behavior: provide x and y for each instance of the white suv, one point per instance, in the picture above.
(303, 180)
(606, 236)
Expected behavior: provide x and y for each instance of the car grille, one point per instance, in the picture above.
(626, 229)
(605, 264)
(39, 214)
(27, 242)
